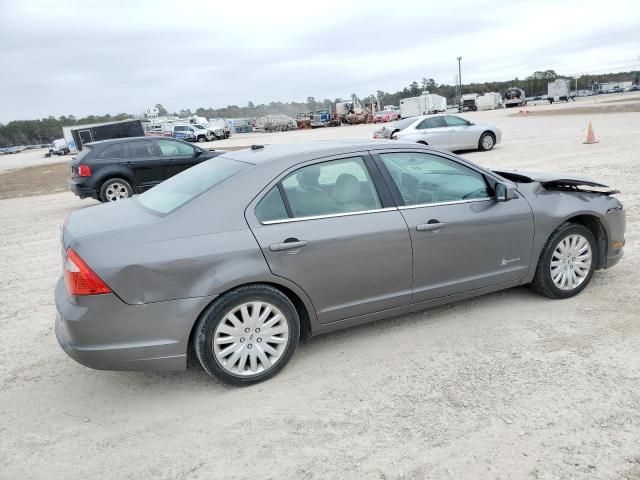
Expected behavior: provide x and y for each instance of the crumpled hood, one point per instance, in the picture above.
(548, 178)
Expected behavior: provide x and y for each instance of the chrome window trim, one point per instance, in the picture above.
(329, 215)
(438, 204)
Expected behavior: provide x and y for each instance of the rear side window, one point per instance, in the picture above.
(191, 183)
(271, 207)
(111, 151)
(433, 122)
(141, 149)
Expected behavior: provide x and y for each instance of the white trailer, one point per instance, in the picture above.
(489, 101)
(559, 89)
(422, 105)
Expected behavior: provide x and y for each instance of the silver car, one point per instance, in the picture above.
(239, 257)
(447, 132)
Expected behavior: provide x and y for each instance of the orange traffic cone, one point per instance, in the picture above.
(591, 136)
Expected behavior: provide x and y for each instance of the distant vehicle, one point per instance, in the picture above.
(515, 97)
(220, 125)
(321, 118)
(191, 133)
(113, 170)
(616, 90)
(424, 104)
(448, 132)
(489, 101)
(559, 90)
(58, 147)
(391, 108)
(386, 116)
(77, 136)
(469, 102)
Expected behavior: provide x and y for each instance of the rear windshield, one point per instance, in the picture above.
(186, 186)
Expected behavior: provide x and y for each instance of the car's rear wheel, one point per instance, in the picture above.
(247, 335)
(115, 189)
(567, 262)
(487, 141)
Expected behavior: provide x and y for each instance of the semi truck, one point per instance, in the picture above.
(424, 104)
(559, 89)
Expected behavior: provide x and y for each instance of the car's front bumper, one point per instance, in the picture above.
(616, 225)
(103, 332)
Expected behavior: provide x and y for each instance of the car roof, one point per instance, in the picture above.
(126, 139)
(259, 154)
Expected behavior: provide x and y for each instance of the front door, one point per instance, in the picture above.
(325, 228)
(462, 238)
(143, 162)
(463, 136)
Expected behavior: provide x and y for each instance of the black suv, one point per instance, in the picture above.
(112, 170)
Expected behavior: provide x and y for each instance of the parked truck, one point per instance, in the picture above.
(469, 102)
(424, 104)
(514, 97)
(559, 89)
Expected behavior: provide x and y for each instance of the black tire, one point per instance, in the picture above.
(481, 142)
(107, 197)
(216, 312)
(202, 139)
(542, 281)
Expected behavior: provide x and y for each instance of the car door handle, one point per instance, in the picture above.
(287, 245)
(430, 227)
(128, 164)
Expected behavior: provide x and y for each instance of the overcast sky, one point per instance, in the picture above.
(95, 57)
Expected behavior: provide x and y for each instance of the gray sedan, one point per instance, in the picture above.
(239, 257)
(447, 132)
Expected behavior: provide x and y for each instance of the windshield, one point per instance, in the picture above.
(199, 127)
(381, 113)
(180, 189)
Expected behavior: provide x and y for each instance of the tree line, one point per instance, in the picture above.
(30, 132)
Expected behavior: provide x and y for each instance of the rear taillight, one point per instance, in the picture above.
(80, 279)
(84, 170)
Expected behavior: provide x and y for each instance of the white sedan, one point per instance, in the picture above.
(448, 132)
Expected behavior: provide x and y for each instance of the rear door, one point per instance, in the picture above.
(178, 156)
(142, 160)
(434, 131)
(462, 238)
(328, 228)
(85, 136)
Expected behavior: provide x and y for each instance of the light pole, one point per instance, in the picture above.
(459, 85)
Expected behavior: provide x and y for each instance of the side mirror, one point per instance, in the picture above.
(505, 192)
(198, 153)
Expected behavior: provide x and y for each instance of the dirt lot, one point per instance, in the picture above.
(510, 385)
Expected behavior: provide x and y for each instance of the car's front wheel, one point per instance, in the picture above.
(115, 189)
(487, 142)
(567, 262)
(247, 335)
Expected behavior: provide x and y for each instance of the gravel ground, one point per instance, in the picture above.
(509, 385)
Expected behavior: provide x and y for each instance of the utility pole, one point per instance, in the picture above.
(460, 85)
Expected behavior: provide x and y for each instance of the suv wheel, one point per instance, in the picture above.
(247, 335)
(202, 139)
(115, 189)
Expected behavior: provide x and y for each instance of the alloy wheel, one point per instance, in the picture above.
(487, 142)
(571, 262)
(116, 191)
(251, 338)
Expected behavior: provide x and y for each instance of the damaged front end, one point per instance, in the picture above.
(560, 182)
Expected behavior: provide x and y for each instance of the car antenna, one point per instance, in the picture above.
(257, 147)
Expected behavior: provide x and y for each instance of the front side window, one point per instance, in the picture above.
(455, 121)
(424, 178)
(175, 149)
(432, 122)
(186, 186)
(338, 186)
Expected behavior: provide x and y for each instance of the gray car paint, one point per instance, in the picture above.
(164, 270)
